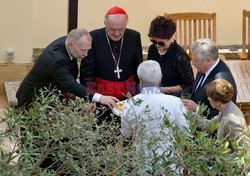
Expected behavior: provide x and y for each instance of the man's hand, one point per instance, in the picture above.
(189, 104)
(109, 101)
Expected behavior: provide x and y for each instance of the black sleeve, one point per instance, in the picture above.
(185, 70)
(150, 52)
(61, 73)
(138, 57)
(87, 68)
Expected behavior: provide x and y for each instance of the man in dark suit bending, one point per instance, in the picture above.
(57, 67)
(205, 57)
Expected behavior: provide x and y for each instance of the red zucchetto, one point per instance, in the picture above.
(115, 10)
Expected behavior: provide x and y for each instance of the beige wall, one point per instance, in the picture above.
(141, 12)
(27, 24)
(16, 29)
(50, 20)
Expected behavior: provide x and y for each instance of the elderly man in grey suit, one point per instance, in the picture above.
(205, 57)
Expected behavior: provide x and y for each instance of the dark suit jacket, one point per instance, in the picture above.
(53, 68)
(220, 71)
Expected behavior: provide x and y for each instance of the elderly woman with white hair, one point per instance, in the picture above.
(144, 114)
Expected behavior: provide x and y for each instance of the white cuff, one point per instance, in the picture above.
(96, 97)
(197, 109)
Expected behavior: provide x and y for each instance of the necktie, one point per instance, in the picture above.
(200, 81)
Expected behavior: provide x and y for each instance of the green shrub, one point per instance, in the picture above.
(80, 146)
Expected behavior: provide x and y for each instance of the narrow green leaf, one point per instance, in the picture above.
(214, 126)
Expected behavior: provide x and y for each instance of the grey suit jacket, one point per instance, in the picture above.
(232, 123)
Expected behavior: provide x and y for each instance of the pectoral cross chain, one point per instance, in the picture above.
(117, 71)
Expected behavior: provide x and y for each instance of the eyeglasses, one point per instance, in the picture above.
(158, 43)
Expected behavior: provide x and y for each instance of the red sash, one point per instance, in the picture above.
(116, 89)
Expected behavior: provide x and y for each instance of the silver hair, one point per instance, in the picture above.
(106, 17)
(150, 72)
(205, 48)
(76, 34)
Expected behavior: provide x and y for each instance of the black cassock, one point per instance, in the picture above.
(97, 70)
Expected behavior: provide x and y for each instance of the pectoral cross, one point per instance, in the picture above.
(117, 71)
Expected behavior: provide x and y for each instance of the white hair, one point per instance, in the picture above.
(150, 72)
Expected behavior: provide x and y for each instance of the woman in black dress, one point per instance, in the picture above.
(174, 61)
